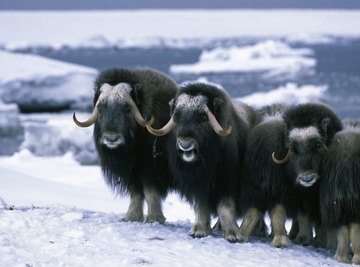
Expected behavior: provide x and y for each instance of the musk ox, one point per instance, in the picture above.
(310, 129)
(131, 158)
(265, 185)
(340, 191)
(207, 141)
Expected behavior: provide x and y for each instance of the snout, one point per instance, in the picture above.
(188, 148)
(307, 179)
(112, 140)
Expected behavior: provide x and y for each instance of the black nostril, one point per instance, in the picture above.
(308, 178)
(112, 138)
(186, 144)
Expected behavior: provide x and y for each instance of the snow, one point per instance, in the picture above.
(56, 134)
(33, 81)
(263, 56)
(182, 28)
(65, 215)
(289, 94)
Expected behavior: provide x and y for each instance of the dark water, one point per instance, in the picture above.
(338, 67)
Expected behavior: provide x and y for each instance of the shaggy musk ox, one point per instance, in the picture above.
(207, 140)
(265, 185)
(310, 129)
(340, 191)
(124, 101)
(287, 186)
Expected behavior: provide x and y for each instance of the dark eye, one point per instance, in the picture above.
(204, 117)
(128, 110)
(292, 148)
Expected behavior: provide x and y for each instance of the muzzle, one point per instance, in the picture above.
(187, 148)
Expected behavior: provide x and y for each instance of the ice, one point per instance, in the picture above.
(11, 129)
(36, 83)
(263, 56)
(290, 94)
(56, 135)
(179, 28)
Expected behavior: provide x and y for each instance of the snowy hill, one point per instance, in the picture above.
(65, 215)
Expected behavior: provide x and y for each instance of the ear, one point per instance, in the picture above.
(324, 124)
(217, 102)
(137, 92)
(171, 104)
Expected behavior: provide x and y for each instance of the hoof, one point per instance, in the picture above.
(133, 218)
(233, 235)
(341, 258)
(303, 240)
(356, 260)
(281, 241)
(199, 232)
(151, 218)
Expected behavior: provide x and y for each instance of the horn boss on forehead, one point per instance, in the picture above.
(189, 102)
(118, 93)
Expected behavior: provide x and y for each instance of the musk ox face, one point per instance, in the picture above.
(115, 116)
(115, 124)
(193, 126)
(306, 150)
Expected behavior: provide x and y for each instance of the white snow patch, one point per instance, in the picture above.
(263, 56)
(25, 67)
(289, 94)
(34, 80)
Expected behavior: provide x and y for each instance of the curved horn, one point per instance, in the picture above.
(164, 130)
(137, 115)
(280, 161)
(90, 121)
(215, 124)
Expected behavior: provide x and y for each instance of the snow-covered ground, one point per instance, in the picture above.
(65, 215)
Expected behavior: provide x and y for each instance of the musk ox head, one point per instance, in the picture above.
(115, 116)
(193, 124)
(310, 129)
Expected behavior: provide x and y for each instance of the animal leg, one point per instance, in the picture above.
(135, 210)
(278, 218)
(153, 201)
(250, 220)
(305, 235)
(343, 240)
(201, 228)
(261, 229)
(320, 236)
(294, 230)
(355, 242)
(227, 216)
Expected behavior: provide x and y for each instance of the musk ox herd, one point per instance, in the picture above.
(229, 160)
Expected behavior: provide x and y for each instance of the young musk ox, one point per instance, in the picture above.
(265, 185)
(310, 129)
(340, 191)
(207, 140)
(124, 101)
